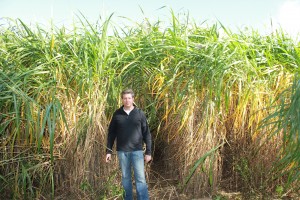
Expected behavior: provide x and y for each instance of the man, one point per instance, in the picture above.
(129, 126)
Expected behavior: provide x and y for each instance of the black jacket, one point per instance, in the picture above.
(129, 130)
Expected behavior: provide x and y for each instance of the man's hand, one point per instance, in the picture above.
(108, 157)
(147, 158)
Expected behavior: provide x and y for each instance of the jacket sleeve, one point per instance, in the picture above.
(146, 134)
(111, 136)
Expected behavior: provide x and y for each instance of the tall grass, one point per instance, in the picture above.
(284, 122)
(205, 96)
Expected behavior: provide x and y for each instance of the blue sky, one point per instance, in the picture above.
(234, 14)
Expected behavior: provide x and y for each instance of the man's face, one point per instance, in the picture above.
(127, 100)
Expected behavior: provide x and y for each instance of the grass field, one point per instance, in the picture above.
(223, 109)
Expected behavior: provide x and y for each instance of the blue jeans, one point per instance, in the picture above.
(135, 160)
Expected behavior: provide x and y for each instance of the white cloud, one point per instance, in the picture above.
(289, 17)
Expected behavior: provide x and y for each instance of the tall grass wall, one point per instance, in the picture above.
(215, 104)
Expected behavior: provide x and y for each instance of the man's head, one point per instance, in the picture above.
(127, 98)
(127, 91)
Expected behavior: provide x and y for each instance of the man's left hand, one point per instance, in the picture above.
(148, 158)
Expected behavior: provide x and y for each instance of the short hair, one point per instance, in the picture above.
(127, 91)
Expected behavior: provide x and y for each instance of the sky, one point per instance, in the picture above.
(261, 15)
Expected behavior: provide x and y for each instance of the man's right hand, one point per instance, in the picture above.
(108, 157)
